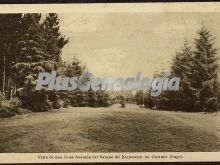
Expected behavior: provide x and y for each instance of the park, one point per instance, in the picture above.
(47, 107)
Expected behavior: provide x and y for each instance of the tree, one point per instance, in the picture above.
(102, 99)
(30, 50)
(39, 46)
(37, 51)
(92, 99)
(182, 67)
(74, 68)
(71, 69)
(139, 97)
(206, 72)
(54, 40)
(162, 102)
(199, 77)
(30, 59)
(9, 26)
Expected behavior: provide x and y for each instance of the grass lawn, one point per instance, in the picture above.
(110, 129)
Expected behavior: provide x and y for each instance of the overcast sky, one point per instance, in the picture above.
(121, 44)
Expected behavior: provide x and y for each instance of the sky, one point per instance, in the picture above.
(122, 44)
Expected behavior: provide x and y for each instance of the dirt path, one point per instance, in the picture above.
(110, 130)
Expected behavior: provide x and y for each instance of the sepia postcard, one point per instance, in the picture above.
(125, 82)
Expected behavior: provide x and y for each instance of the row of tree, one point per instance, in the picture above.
(197, 66)
(78, 98)
(29, 44)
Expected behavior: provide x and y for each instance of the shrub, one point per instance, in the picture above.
(37, 101)
(66, 103)
(56, 105)
(9, 108)
(12, 104)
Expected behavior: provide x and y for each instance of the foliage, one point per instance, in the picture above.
(54, 40)
(198, 71)
(9, 108)
(37, 101)
(34, 44)
(38, 49)
(78, 98)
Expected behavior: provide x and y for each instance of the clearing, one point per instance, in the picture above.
(113, 129)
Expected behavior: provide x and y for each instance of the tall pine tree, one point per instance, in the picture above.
(206, 72)
(182, 67)
(54, 40)
(30, 50)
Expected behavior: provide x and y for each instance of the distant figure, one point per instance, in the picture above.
(141, 106)
(122, 102)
